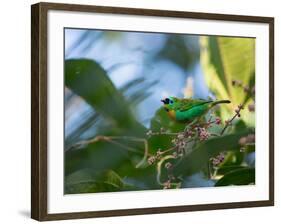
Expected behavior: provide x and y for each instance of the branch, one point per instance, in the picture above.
(237, 114)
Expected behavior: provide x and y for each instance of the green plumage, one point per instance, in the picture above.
(187, 110)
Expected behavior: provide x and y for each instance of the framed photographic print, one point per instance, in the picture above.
(138, 111)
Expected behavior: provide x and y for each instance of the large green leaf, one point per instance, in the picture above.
(243, 176)
(89, 80)
(87, 181)
(198, 159)
(140, 178)
(225, 59)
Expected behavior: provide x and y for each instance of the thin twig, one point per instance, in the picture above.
(229, 122)
(168, 150)
(163, 133)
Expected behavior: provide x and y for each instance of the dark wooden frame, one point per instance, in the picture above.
(39, 110)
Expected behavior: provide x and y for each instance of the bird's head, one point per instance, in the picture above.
(169, 103)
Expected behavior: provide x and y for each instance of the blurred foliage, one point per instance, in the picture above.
(226, 59)
(180, 49)
(85, 181)
(88, 79)
(105, 166)
(198, 159)
(242, 176)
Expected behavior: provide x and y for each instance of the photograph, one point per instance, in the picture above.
(157, 111)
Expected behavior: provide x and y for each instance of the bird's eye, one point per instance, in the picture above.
(171, 101)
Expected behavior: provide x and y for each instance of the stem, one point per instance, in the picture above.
(163, 133)
(230, 121)
(168, 150)
(159, 167)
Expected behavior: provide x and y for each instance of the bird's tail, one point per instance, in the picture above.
(219, 102)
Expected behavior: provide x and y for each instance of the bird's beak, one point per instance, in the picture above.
(165, 101)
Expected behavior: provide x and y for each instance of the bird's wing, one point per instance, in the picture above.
(187, 104)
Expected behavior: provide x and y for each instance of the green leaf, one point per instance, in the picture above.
(89, 80)
(110, 177)
(240, 125)
(243, 176)
(198, 159)
(99, 156)
(225, 59)
(228, 168)
(87, 181)
(139, 178)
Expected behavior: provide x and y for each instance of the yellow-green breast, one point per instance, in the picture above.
(172, 114)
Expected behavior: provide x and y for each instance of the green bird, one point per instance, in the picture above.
(188, 110)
